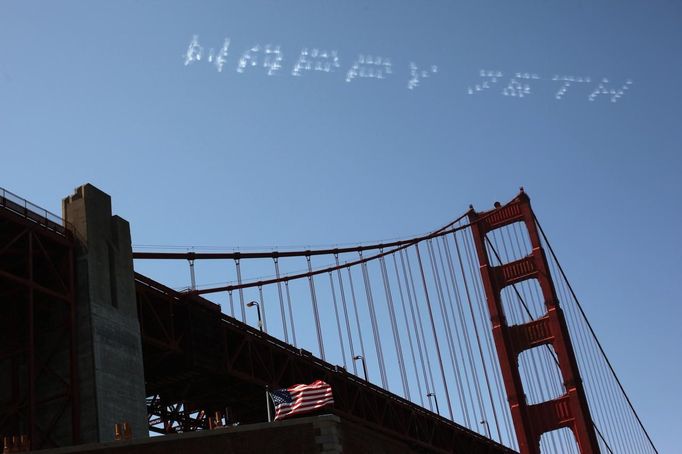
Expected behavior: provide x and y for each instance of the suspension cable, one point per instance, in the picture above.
(300, 253)
(338, 320)
(469, 256)
(345, 314)
(262, 307)
(241, 291)
(418, 327)
(441, 305)
(357, 319)
(373, 321)
(291, 313)
(281, 301)
(407, 329)
(467, 293)
(524, 305)
(433, 328)
(450, 327)
(462, 337)
(496, 371)
(594, 335)
(394, 328)
(316, 312)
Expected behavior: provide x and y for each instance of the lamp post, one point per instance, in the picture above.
(484, 423)
(364, 364)
(260, 320)
(435, 399)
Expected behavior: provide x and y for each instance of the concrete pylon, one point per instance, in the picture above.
(110, 366)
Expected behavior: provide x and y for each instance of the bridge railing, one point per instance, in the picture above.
(32, 212)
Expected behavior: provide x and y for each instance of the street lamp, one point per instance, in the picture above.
(260, 320)
(435, 399)
(487, 427)
(364, 364)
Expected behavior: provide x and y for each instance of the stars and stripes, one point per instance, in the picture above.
(301, 399)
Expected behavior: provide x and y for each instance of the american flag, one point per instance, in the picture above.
(301, 399)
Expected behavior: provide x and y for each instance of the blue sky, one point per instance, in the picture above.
(99, 92)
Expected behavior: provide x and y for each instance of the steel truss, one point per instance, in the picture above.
(38, 372)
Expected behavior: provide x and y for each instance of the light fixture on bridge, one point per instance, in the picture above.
(260, 320)
(435, 399)
(364, 364)
(487, 427)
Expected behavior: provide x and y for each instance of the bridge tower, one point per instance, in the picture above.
(569, 410)
(111, 375)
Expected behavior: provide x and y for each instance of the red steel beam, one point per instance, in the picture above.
(43, 289)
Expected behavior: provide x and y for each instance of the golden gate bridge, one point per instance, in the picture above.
(469, 338)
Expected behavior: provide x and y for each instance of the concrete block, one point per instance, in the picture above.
(111, 369)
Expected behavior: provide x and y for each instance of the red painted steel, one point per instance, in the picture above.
(569, 410)
(37, 326)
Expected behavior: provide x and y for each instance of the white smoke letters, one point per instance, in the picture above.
(519, 85)
(269, 57)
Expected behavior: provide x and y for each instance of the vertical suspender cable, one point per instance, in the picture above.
(316, 312)
(433, 328)
(412, 300)
(451, 326)
(462, 331)
(421, 331)
(584, 351)
(394, 326)
(241, 290)
(551, 359)
(338, 320)
(444, 313)
(281, 301)
(345, 314)
(477, 387)
(375, 327)
(262, 308)
(357, 317)
(291, 314)
(589, 326)
(496, 372)
(466, 340)
(480, 350)
(192, 277)
(407, 329)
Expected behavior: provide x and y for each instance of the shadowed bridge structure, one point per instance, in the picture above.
(466, 339)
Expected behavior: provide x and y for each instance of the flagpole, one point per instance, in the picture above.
(267, 402)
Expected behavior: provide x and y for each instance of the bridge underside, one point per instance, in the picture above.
(199, 361)
(38, 391)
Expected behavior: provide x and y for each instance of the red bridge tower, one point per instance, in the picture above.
(569, 410)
